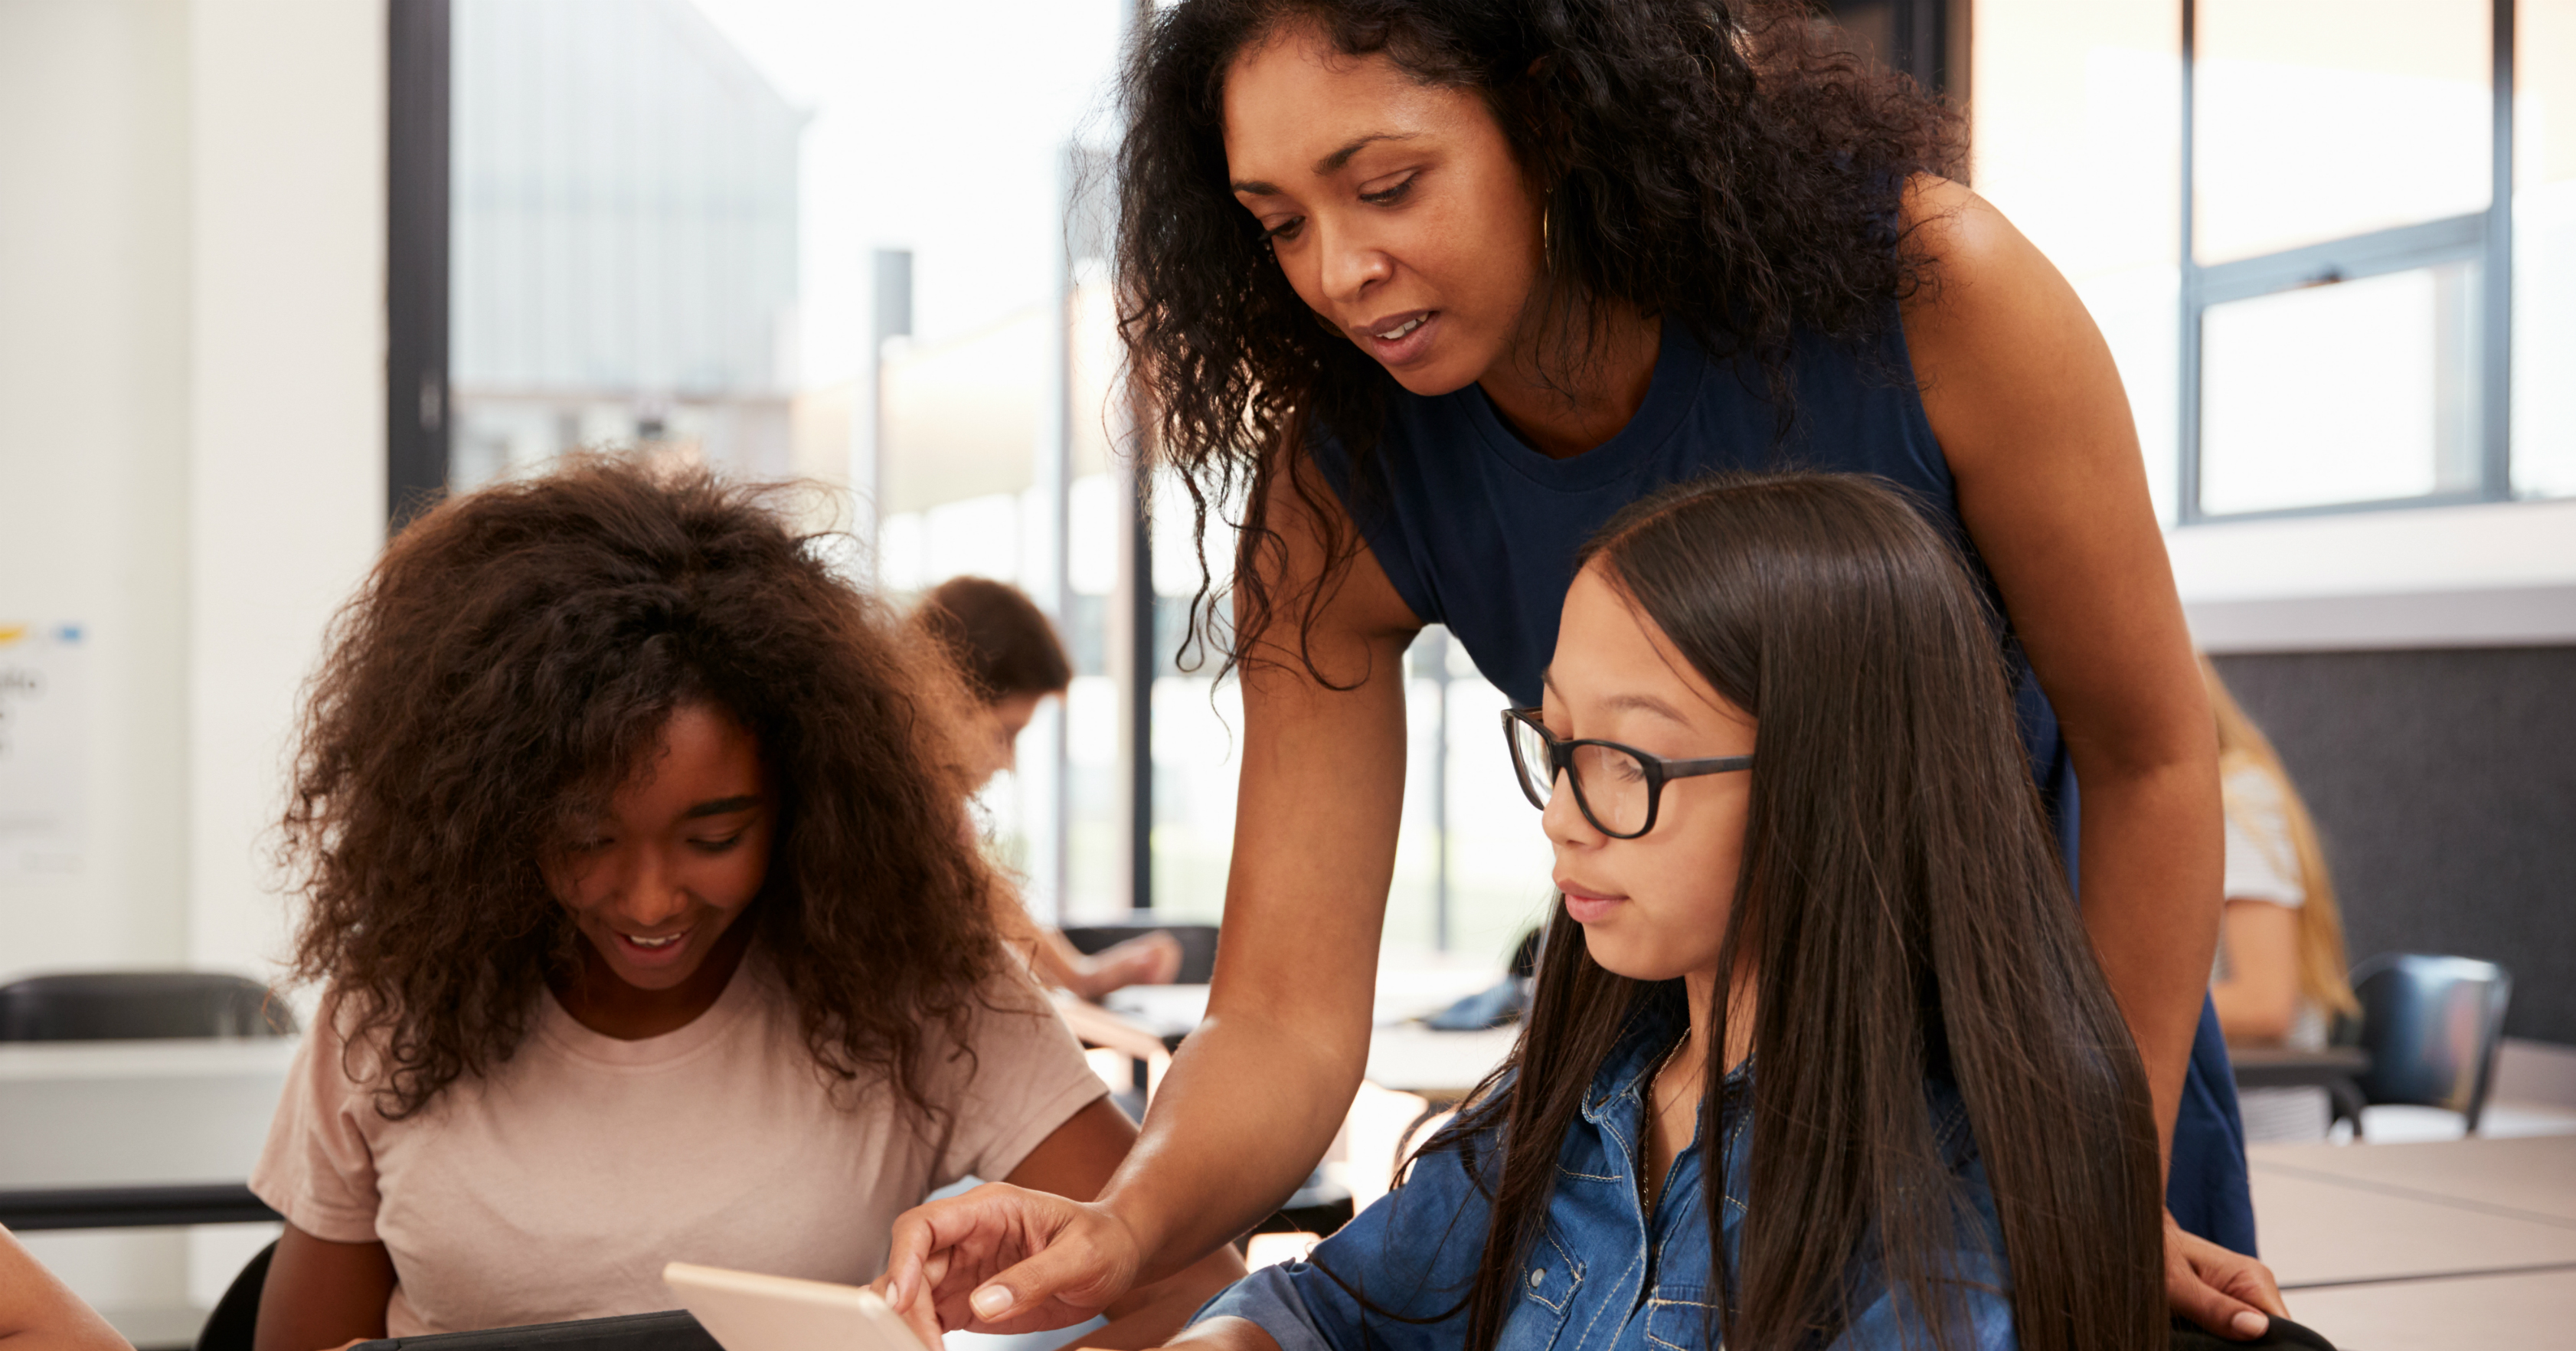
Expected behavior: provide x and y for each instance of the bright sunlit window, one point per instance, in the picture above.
(2321, 323)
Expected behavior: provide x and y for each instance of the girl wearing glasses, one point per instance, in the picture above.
(1425, 292)
(1814, 974)
(633, 849)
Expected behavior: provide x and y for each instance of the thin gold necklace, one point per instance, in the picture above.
(1655, 1105)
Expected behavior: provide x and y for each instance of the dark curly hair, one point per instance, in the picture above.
(1001, 640)
(1733, 167)
(515, 653)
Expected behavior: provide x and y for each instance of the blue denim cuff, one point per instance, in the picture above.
(1269, 1298)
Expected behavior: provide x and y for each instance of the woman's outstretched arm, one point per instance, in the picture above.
(40, 1313)
(1255, 1095)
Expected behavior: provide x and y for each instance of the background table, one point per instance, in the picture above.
(2460, 1243)
(115, 1135)
(2475, 1313)
(142, 1132)
(1403, 1055)
(2289, 1067)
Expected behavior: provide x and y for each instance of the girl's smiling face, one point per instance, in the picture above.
(1396, 208)
(1655, 907)
(683, 848)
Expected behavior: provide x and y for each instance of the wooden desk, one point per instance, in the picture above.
(1441, 1066)
(2320, 1233)
(1404, 1056)
(2458, 1243)
(2287, 1067)
(108, 1134)
(2475, 1313)
(2529, 1178)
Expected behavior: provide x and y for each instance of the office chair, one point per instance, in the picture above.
(140, 1005)
(2431, 1025)
(235, 1320)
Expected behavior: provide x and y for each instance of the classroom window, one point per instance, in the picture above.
(2325, 283)
(2544, 249)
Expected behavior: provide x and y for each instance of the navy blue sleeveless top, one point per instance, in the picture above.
(1477, 531)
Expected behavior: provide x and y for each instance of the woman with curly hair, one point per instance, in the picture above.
(633, 852)
(1423, 292)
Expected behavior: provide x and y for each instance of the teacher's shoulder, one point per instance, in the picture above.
(2001, 345)
(1974, 266)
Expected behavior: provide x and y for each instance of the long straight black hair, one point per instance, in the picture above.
(1904, 914)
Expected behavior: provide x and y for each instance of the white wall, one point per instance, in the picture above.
(94, 414)
(191, 445)
(286, 434)
(2498, 575)
(191, 469)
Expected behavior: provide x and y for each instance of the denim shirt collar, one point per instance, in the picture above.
(1616, 1102)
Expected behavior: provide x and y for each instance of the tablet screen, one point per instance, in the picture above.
(744, 1311)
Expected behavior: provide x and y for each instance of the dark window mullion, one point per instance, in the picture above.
(2187, 382)
(417, 413)
(2461, 238)
(2495, 347)
(2469, 497)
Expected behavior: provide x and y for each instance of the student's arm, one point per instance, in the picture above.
(322, 1294)
(1255, 1095)
(1052, 960)
(40, 1313)
(2259, 1000)
(2022, 393)
(1077, 1161)
(1147, 959)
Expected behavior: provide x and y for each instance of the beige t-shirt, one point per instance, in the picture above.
(556, 1187)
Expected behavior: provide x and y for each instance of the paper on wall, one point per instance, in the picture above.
(44, 746)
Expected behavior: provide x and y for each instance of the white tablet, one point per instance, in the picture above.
(748, 1312)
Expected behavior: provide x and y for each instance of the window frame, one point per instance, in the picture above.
(2484, 237)
(416, 256)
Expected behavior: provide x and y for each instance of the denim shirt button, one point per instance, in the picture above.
(1537, 1274)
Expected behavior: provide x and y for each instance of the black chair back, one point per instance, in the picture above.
(2431, 1025)
(235, 1321)
(140, 1005)
(1198, 944)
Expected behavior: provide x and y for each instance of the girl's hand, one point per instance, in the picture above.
(1006, 1259)
(2223, 1291)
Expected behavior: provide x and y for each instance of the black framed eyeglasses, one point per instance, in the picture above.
(1618, 788)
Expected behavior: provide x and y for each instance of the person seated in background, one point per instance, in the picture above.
(40, 1313)
(631, 840)
(1012, 658)
(2281, 970)
(1819, 1052)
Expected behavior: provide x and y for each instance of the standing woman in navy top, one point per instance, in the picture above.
(1425, 291)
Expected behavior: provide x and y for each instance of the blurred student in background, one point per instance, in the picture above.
(2280, 975)
(1010, 655)
(38, 1313)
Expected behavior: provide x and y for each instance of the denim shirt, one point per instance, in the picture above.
(1606, 1275)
